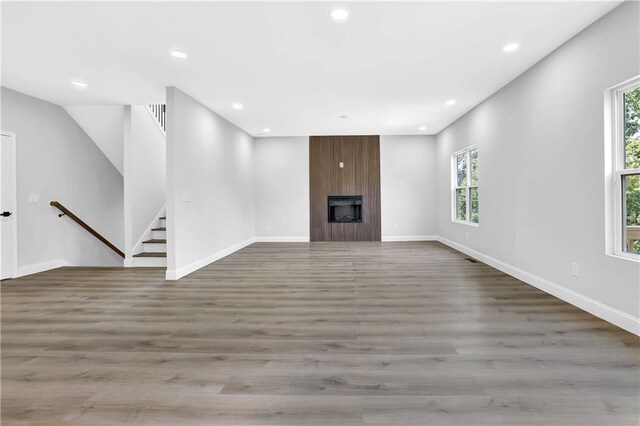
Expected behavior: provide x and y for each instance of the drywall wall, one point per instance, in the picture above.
(210, 204)
(541, 171)
(58, 161)
(103, 124)
(408, 188)
(408, 175)
(145, 174)
(281, 175)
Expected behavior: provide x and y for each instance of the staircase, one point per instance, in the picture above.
(154, 250)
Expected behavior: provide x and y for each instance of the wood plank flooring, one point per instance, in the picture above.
(310, 334)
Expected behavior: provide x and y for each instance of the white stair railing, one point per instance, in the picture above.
(159, 112)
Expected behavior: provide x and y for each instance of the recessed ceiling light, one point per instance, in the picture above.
(344, 116)
(422, 128)
(450, 102)
(179, 54)
(339, 14)
(511, 47)
(236, 105)
(266, 130)
(79, 84)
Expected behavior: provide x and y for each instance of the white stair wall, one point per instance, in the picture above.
(145, 186)
(104, 125)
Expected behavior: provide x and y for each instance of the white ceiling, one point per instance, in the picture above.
(389, 68)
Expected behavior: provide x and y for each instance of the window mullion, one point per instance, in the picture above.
(618, 125)
(469, 204)
(469, 180)
(469, 171)
(627, 172)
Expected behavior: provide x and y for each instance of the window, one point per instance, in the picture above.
(626, 169)
(465, 186)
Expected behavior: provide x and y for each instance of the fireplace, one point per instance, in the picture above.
(345, 209)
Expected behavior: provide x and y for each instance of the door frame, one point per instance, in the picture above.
(14, 198)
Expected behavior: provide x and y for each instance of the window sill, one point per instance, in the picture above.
(475, 225)
(626, 256)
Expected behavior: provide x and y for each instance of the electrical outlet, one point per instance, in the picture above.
(268, 228)
(186, 197)
(213, 242)
(341, 165)
(466, 235)
(34, 198)
(395, 226)
(574, 269)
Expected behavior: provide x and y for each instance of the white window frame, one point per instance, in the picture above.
(615, 169)
(468, 186)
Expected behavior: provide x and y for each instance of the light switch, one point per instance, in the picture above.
(34, 198)
(186, 197)
(341, 165)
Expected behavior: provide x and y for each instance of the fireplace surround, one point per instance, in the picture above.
(344, 166)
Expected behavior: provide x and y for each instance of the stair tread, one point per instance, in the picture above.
(150, 254)
(163, 217)
(155, 240)
(159, 229)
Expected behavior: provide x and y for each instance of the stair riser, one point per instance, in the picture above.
(162, 223)
(154, 247)
(150, 262)
(159, 235)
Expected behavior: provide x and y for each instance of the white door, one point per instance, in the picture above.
(7, 205)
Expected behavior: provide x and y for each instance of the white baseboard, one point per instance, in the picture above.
(282, 239)
(396, 238)
(176, 274)
(41, 267)
(605, 312)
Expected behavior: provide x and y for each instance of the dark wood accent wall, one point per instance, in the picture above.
(320, 154)
(359, 176)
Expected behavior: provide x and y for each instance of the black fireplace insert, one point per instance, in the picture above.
(345, 209)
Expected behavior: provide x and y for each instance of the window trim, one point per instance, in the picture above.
(468, 187)
(615, 169)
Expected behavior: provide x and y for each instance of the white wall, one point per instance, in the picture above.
(103, 124)
(145, 173)
(210, 162)
(408, 187)
(58, 161)
(281, 169)
(542, 185)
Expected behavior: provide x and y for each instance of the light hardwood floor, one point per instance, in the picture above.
(297, 334)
